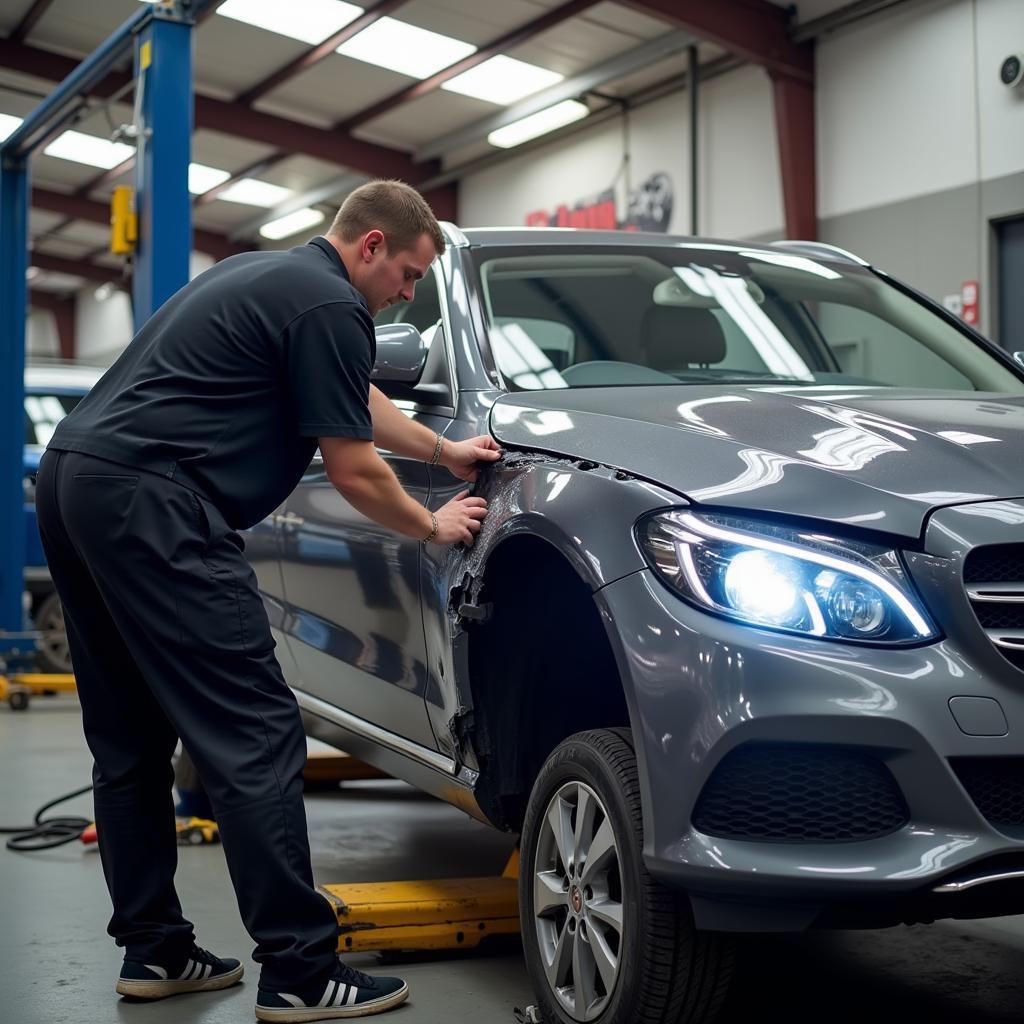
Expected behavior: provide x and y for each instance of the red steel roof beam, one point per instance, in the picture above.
(755, 30)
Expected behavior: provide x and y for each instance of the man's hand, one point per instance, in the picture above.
(460, 519)
(460, 458)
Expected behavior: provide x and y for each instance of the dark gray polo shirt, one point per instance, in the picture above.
(228, 385)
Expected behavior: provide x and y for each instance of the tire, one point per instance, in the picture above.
(630, 939)
(18, 700)
(52, 654)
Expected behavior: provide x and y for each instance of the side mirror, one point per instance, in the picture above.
(400, 354)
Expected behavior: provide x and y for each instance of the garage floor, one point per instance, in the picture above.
(57, 965)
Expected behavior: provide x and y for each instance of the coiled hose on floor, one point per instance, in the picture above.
(47, 833)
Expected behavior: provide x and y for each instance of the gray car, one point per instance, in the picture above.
(740, 646)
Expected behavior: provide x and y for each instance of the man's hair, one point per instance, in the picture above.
(394, 208)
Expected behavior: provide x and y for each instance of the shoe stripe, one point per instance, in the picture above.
(293, 1000)
(339, 996)
(329, 993)
(159, 971)
(197, 971)
(352, 993)
(207, 971)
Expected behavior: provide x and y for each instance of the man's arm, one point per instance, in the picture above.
(368, 483)
(395, 432)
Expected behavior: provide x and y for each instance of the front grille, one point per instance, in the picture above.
(768, 792)
(996, 785)
(994, 578)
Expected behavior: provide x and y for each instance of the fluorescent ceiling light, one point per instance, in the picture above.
(502, 80)
(7, 125)
(541, 123)
(310, 21)
(255, 193)
(88, 149)
(202, 178)
(285, 227)
(405, 48)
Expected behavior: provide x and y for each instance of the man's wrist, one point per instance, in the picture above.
(433, 529)
(435, 459)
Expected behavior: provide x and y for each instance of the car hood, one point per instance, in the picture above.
(878, 458)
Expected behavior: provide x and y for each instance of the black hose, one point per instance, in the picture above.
(48, 833)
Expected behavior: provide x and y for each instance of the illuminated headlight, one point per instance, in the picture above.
(786, 579)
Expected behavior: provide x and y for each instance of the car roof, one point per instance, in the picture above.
(74, 376)
(548, 236)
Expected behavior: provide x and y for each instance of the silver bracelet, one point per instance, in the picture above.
(433, 532)
(435, 458)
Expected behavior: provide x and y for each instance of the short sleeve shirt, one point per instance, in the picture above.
(228, 385)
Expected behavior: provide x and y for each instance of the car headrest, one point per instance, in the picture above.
(674, 337)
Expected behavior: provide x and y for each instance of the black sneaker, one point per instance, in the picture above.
(349, 993)
(200, 971)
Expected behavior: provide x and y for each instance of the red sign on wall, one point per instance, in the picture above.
(969, 295)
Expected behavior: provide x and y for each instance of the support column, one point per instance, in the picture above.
(14, 191)
(163, 71)
(794, 122)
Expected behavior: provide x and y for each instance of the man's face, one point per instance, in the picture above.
(386, 277)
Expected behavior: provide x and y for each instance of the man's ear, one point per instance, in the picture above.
(373, 242)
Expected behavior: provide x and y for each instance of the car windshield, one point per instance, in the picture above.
(573, 316)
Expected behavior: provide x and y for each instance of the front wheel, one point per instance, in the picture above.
(604, 942)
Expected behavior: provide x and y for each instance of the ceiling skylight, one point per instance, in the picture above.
(405, 48)
(541, 123)
(202, 178)
(7, 125)
(88, 149)
(285, 227)
(255, 193)
(502, 80)
(310, 21)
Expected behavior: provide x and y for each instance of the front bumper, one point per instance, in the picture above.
(700, 687)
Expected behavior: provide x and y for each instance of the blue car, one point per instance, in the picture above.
(51, 392)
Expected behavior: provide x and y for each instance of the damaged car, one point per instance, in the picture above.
(740, 645)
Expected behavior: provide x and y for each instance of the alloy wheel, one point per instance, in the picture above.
(577, 905)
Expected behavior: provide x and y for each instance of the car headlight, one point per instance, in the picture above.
(796, 581)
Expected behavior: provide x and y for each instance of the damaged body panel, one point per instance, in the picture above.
(757, 529)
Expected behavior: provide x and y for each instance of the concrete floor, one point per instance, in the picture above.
(56, 963)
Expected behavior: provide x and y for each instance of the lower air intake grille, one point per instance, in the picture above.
(770, 792)
(996, 785)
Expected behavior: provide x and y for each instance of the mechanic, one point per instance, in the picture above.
(203, 427)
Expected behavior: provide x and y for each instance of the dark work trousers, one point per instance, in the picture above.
(169, 638)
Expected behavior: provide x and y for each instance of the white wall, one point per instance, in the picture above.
(103, 327)
(41, 336)
(739, 174)
(910, 103)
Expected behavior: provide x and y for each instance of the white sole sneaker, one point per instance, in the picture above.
(161, 989)
(299, 1015)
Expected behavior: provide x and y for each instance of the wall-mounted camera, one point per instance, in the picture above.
(1011, 72)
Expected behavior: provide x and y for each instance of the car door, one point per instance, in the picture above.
(351, 587)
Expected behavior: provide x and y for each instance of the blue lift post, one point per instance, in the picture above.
(161, 34)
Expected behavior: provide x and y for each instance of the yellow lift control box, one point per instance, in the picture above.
(124, 225)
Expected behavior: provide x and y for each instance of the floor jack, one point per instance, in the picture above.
(18, 687)
(449, 913)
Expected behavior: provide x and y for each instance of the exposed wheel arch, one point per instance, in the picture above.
(541, 668)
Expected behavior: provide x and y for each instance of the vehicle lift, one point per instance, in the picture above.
(424, 915)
